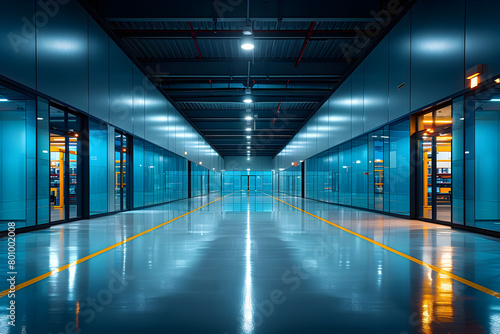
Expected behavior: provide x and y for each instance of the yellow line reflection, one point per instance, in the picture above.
(88, 257)
(411, 258)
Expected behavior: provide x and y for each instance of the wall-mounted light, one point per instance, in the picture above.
(474, 82)
(4, 100)
(249, 137)
(248, 169)
(473, 74)
(497, 80)
(248, 147)
(185, 152)
(200, 163)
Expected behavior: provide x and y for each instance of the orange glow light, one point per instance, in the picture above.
(473, 75)
(474, 82)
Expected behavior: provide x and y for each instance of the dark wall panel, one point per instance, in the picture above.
(341, 114)
(482, 36)
(376, 102)
(156, 119)
(62, 46)
(358, 118)
(98, 72)
(120, 88)
(139, 105)
(437, 51)
(17, 42)
(399, 68)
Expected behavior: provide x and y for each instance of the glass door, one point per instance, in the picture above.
(121, 175)
(57, 184)
(434, 167)
(64, 177)
(244, 182)
(252, 183)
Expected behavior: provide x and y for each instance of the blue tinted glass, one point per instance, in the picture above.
(399, 173)
(98, 170)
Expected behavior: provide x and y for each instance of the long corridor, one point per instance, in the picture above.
(253, 263)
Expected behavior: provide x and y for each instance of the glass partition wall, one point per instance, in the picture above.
(248, 181)
(371, 171)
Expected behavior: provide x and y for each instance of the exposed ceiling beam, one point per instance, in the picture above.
(242, 60)
(219, 92)
(237, 34)
(238, 99)
(230, 69)
(364, 20)
(237, 10)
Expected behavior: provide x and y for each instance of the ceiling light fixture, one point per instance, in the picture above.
(248, 129)
(248, 137)
(247, 40)
(247, 43)
(248, 100)
(4, 100)
(248, 118)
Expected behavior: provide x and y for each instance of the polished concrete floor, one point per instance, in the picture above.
(251, 264)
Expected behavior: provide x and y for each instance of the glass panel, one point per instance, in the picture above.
(443, 176)
(487, 163)
(244, 182)
(13, 157)
(57, 119)
(118, 180)
(400, 167)
(125, 174)
(458, 150)
(43, 162)
(148, 174)
(252, 183)
(376, 165)
(425, 177)
(425, 121)
(74, 186)
(139, 176)
(57, 166)
(335, 174)
(360, 172)
(345, 171)
(98, 151)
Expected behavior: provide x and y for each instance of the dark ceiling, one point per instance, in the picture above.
(192, 48)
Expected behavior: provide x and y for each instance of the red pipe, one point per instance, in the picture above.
(308, 37)
(194, 38)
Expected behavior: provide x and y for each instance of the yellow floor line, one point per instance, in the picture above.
(88, 257)
(411, 258)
